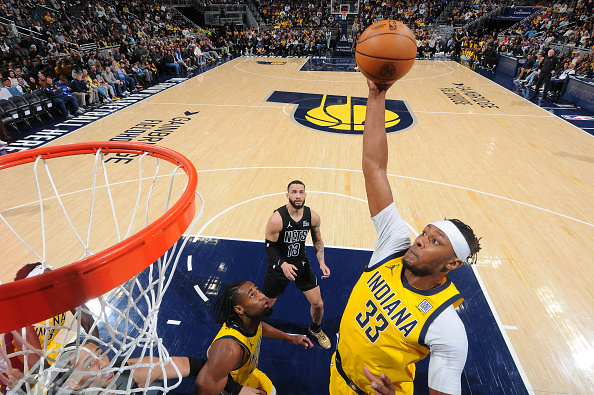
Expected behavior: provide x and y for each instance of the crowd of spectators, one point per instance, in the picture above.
(279, 41)
(75, 44)
(466, 11)
(559, 26)
(413, 13)
(285, 14)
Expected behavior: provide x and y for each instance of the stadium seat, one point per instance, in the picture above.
(35, 105)
(23, 108)
(46, 102)
(11, 114)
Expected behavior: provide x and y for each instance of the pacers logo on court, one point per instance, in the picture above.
(341, 114)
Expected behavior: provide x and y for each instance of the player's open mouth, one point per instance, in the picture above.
(108, 375)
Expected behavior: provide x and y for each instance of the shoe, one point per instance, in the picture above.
(69, 116)
(322, 338)
(79, 112)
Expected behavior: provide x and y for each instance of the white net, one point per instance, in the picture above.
(110, 344)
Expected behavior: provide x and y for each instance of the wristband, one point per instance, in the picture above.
(195, 365)
(232, 387)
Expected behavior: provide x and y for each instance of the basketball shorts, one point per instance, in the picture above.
(258, 379)
(275, 280)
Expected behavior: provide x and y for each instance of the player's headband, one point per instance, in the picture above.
(39, 269)
(459, 243)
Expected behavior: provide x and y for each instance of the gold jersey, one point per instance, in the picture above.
(384, 325)
(251, 345)
(48, 333)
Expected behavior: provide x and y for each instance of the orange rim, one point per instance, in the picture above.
(35, 299)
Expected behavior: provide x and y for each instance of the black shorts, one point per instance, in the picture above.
(275, 280)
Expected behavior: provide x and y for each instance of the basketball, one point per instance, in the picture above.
(386, 51)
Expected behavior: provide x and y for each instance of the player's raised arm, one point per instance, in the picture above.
(273, 333)
(375, 150)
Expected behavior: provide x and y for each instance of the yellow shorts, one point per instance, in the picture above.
(337, 384)
(258, 379)
(339, 387)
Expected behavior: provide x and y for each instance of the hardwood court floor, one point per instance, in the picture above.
(520, 176)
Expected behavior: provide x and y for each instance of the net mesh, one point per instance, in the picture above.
(110, 344)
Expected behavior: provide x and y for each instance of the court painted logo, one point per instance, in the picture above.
(341, 114)
(271, 63)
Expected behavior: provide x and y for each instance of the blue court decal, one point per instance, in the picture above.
(215, 263)
(341, 114)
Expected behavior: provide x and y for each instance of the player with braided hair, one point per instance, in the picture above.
(236, 348)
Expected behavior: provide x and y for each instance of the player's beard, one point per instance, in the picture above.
(267, 312)
(297, 206)
(419, 272)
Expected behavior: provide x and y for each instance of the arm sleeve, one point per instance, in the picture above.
(392, 234)
(272, 252)
(446, 338)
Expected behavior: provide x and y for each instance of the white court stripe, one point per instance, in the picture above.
(197, 288)
(503, 332)
(404, 177)
(281, 193)
(272, 105)
(230, 208)
(262, 241)
(189, 263)
(476, 113)
(268, 195)
(510, 327)
(173, 322)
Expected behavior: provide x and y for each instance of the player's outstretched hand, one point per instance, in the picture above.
(252, 391)
(373, 87)
(381, 385)
(301, 340)
(325, 271)
(11, 378)
(289, 270)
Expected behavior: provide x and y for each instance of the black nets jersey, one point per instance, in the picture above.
(291, 240)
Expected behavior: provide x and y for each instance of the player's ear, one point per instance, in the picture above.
(453, 264)
(238, 309)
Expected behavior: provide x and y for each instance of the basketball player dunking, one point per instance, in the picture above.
(286, 232)
(402, 306)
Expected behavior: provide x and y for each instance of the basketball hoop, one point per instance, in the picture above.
(120, 268)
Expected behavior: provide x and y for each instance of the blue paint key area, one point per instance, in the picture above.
(490, 368)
